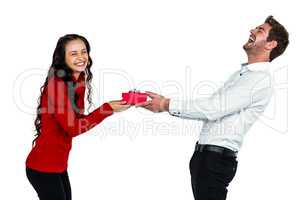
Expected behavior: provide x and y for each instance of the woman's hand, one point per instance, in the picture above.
(119, 106)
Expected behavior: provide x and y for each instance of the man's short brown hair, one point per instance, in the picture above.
(279, 34)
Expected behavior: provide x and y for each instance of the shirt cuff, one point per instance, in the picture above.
(175, 107)
(107, 109)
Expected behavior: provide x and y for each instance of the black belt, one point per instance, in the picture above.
(217, 149)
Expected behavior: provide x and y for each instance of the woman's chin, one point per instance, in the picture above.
(79, 69)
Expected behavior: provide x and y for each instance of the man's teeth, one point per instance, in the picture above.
(251, 39)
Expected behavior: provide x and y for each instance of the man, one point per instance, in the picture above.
(229, 113)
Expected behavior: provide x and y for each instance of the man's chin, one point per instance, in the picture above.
(247, 46)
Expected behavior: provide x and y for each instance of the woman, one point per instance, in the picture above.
(60, 117)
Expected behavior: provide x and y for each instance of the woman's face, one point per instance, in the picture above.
(76, 56)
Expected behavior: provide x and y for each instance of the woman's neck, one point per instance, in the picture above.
(76, 75)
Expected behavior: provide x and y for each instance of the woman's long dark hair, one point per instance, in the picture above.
(60, 69)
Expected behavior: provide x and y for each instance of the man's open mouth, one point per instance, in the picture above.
(251, 39)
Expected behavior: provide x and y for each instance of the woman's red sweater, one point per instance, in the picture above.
(60, 123)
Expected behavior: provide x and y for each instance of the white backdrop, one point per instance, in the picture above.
(176, 48)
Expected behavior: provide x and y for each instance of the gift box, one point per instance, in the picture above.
(134, 96)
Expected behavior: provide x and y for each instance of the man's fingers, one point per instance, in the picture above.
(148, 107)
(152, 94)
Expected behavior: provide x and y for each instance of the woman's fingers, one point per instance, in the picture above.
(119, 101)
(119, 105)
(143, 104)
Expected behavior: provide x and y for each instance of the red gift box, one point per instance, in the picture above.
(134, 97)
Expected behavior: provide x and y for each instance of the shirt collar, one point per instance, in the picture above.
(258, 66)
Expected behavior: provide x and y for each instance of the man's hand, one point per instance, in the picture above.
(119, 106)
(158, 103)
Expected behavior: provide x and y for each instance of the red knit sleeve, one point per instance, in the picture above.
(59, 104)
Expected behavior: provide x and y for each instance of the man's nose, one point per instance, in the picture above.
(252, 31)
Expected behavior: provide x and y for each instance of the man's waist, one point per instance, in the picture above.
(217, 149)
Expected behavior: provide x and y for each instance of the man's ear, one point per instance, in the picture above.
(271, 45)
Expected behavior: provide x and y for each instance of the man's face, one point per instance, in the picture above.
(258, 39)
